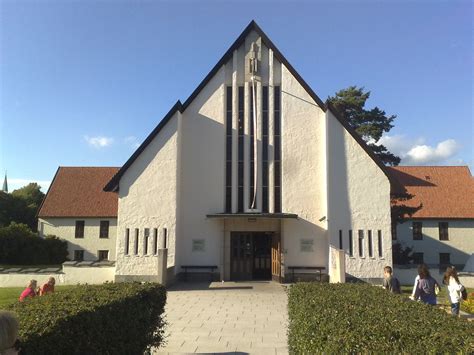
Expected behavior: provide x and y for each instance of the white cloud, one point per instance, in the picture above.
(414, 151)
(99, 141)
(14, 184)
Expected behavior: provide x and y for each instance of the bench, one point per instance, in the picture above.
(211, 269)
(312, 268)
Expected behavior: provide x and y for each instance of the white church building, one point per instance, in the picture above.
(253, 177)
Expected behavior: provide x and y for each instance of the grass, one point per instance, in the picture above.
(9, 295)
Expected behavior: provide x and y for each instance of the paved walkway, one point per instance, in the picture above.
(226, 317)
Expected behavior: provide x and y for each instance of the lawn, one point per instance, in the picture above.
(10, 295)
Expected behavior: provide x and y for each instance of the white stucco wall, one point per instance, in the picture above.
(147, 199)
(303, 174)
(65, 228)
(460, 244)
(358, 198)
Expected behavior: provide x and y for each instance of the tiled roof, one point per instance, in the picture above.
(444, 191)
(77, 192)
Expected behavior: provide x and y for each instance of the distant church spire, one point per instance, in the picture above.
(5, 184)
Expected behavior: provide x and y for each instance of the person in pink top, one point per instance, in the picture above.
(30, 290)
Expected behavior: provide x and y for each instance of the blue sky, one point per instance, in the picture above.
(82, 83)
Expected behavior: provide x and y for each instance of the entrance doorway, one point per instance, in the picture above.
(253, 256)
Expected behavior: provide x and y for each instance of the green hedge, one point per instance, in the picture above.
(20, 246)
(113, 318)
(355, 318)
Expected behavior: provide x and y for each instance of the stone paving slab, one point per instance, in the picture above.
(230, 317)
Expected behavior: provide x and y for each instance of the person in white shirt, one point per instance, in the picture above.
(454, 289)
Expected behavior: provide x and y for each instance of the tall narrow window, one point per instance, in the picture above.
(78, 255)
(136, 241)
(277, 149)
(394, 231)
(252, 155)
(444, 259)
(240, 146)
(155, 241)
(340, 239)
(418, 258)
(79, 232)
(104, 229)
(369, 242)
(127, 241)
(351, 246)
(379, 236)
(417, 231)
(361, 243)
(443, 231)
(165, 236)
(146, 236)
(228, 151)
(265, 150)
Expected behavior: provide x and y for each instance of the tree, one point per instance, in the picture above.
(21, 206)
(369, 124)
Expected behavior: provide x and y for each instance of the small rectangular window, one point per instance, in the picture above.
(127, 241)
(417, 231)
(379, 235)
(79, 232)
(155, 241)
(351, 246)
(78, 255)
(361, 243)
(369, 241)
(418, 258)
(444, 259)
(146, 235)
(103, 255)
(340, 239)
(443, 231)
(165, 236)
(137, 232)
(104, 229)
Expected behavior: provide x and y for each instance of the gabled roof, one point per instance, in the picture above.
(113, 184)
(78, 192)
(445, 191)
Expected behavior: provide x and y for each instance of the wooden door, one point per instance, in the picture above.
(276, 257)
(241, 258)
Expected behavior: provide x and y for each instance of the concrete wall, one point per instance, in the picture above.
(460, 244)
(147, 199)
(68, 276)
(65, 228)
(358, 199)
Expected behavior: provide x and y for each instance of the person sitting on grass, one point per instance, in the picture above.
(9, 343)
(454, 289)
(426, 287)
(48, 287)
(390, 282)
(30, 291)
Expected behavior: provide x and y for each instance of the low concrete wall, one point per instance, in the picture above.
(407, 276)
(71, 273)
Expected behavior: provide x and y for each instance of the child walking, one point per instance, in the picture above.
(454, 289)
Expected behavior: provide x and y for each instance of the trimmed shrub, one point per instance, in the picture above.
(20, 246)
(360, 318)
(468, 305)
(113, 318)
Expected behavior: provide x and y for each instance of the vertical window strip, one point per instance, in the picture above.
(277, 150)
(145, 241)
(136, 240)
(369, 241)
(165, 237)
(379, 235)
(351, 245)
(340, 239)
(127, 241)
(251, 153)
(361, 243)
(240, 163)
(265, 150)
(155, 241)
(228, 165)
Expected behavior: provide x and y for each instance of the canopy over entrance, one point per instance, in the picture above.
(253, 215)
